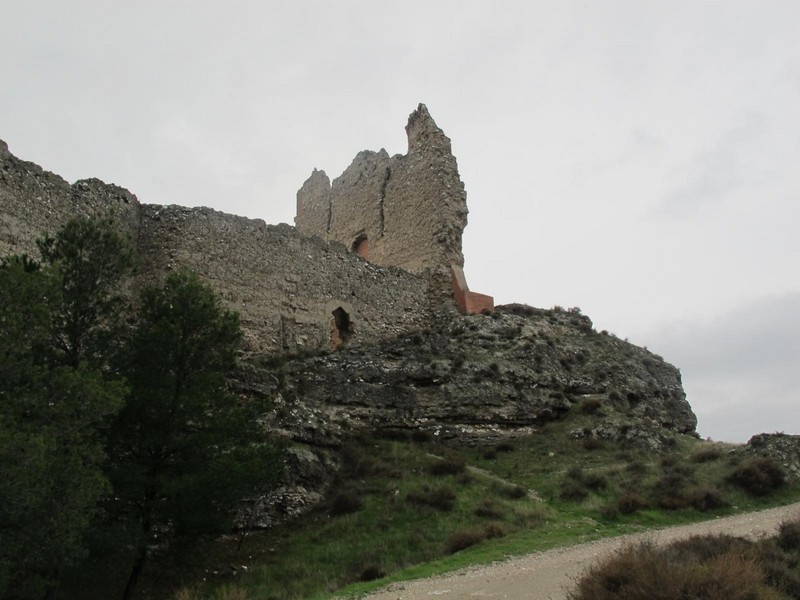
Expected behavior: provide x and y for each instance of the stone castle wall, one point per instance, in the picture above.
(293, 293)
(34, 202)
(406, 210)
(295, 289)
(285, 287)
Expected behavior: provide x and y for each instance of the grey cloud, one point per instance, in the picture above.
(740, 368)
(715, 173)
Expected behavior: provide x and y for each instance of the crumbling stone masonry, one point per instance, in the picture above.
(407, 211)
(294, 288)
(292, 293)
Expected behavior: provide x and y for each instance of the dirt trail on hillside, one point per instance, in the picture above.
(548, 575)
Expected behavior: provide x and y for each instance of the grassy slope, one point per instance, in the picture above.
(540, 492)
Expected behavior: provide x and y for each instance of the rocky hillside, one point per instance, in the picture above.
(473, 380)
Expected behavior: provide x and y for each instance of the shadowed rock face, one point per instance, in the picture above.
(471, 380)
(483, 378)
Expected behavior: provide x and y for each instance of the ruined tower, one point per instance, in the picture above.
(407, 211)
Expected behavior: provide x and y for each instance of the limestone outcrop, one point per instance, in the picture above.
(483, 378)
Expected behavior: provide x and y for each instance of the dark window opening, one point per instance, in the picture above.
(361, 247)
(341, 329)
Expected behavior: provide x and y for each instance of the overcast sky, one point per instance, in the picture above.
(638, 159)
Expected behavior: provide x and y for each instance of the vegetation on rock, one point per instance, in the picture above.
(122, 430)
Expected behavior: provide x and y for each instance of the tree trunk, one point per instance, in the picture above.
(52, 590)
(136, 571)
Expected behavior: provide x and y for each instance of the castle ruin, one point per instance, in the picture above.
(376, 253)
(406, 211)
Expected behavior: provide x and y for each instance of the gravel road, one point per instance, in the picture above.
(547, 575)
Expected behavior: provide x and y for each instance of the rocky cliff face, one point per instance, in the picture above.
(471, 380)
(484, 377)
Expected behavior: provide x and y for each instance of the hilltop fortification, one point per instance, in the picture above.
(398, 223)
(406, 211)
(373, 270)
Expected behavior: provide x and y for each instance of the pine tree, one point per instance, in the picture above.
(183, 449)
(51, 447)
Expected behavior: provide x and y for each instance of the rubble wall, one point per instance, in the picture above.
(35, 202)
(410, 208)
(285, 287)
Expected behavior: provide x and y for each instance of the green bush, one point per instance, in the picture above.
(504, 447)
(346, 503)
(572, 491)
(487, 509)
(645, 572)
(447, 466)
(758, 476)
(371, 573)
(705, 497)
(514, 492)
(789, 535)
(707, 455)
(592, 443)
(442, 498)
(630, 502)
(463, 539)
(591, 406)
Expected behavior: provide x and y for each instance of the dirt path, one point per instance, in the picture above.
(547, 575)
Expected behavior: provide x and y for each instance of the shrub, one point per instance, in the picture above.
(592, 443)
(758, 476)
(442, 498)
(637, 468)
(371, 573)
(591, 406)
(705, 498)
(463, 539)
(645, 572)
(595, 481)
(789, 535)
(630, 502)
(421, 435)
(447, 466)
(487, 509)
(345, 503)
(707, 455)
(515, 492)
(493, 530)
(572, 491)
(780, 567)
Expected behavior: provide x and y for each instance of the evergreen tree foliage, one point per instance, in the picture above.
(127, 430)
(51, 448)
(184, 450)
(91, 256)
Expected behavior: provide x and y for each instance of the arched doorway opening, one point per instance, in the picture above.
(361, 247)
(341, 328)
